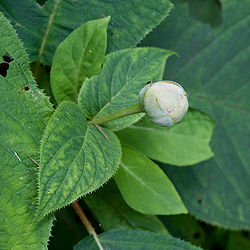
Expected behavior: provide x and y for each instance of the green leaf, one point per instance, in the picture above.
(215, 73)
(189, 139)
(112, 212)
(78, 57)
(187, 228)
(122, 77)
(24, 110)
(134, 239)
(46, 27)
(43, 81)
(145, 187)
(207, 11)
(75, 159)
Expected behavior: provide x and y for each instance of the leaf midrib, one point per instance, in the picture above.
(147, 187)
(50, 21)
(118, 93)
(41, 196)
(219, 102)
(82, 58)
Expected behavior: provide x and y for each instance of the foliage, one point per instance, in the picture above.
(54, 152)
(133, 239)
(24, 111)
(47, 26)
(213, 68)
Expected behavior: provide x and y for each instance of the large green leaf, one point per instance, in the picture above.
(79, 56)
(198, 233)
(24, 111)
(75, 159)
(145, 187)
(186, 227)
(44, 28)
(122, 77)
(124, 239)
(207, 11)
(186, 143)
(214, 69)
(112, 212)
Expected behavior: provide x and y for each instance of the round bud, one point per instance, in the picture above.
(165, 102)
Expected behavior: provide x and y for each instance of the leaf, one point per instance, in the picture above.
(24, 110)
(145, 187)
(215, 72)
(185, 143)
(134, 239)
(122, 77)
(46, 27)
(108, 206)
(43, 81)
(207, 11)
(79, 56)
(75, 159)
(187, 228)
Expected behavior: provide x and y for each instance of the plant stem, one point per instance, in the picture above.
(86, 223)
(119, 114)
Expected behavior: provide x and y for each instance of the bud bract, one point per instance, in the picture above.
(165, 102)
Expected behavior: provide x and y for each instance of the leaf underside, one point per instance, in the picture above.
(214, 69)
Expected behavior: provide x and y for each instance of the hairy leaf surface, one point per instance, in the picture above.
(145, 187)
(134, 239)
(24, 110)
(214, 69)
(45, 27)
(185, 143)
(79, 56)
(75, 158)
(122, 77)
(112, 212)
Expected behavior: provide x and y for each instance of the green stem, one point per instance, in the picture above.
(124, 112)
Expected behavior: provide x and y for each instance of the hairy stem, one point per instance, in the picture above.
(124, 112)
(86, 223)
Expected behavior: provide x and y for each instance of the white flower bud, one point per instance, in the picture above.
(165, 102)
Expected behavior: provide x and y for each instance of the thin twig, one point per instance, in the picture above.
(99, 128)
(86, 223)
(32, 160)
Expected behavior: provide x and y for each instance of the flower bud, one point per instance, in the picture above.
(165, 102)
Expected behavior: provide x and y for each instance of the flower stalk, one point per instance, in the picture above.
(135, 109)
